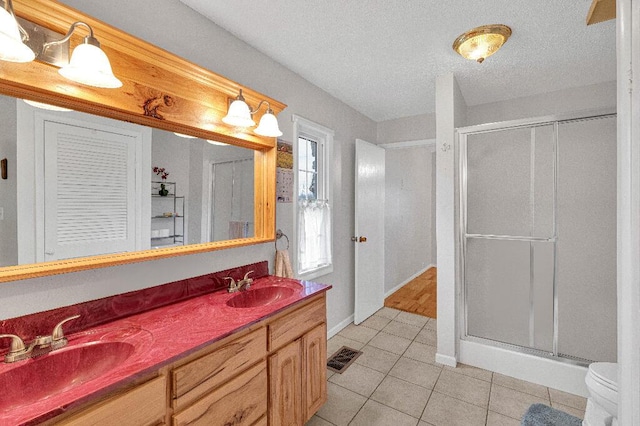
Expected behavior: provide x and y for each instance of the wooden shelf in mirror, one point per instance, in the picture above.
(159, 90)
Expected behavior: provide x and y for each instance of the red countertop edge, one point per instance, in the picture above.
(209, 320)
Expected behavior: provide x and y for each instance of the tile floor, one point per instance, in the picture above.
(397, 382)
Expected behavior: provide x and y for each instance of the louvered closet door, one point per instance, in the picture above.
(89, 199)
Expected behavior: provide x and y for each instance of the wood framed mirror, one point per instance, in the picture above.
(161, 91)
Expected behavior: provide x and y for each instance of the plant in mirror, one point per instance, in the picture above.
(85, 186)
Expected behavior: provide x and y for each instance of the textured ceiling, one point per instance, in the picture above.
(382, 57)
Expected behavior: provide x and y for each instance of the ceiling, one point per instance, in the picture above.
(382, 57)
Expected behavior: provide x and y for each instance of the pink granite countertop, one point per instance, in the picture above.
(115, 354)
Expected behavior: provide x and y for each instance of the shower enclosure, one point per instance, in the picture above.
(232, 197)
(538, 236)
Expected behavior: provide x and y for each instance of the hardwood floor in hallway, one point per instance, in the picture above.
(418, 296)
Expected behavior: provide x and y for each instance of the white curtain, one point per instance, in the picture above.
(314, 234)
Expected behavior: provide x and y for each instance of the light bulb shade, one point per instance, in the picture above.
(12, 49)
(481, 42)
(238, 115)
(182, 135)
(268, 126)
(43, 105)
(89, 65)
(217, 143)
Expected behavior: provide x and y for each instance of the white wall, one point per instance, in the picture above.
(409, 224)
(174, 27)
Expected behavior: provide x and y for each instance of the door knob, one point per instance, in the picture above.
(359, 239)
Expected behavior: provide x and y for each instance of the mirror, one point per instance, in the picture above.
(195, 191)
(160, 91)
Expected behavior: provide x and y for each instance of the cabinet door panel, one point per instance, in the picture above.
(314, 374)
(240, 402)
(295, 324)
(192, 380)
(285, 388)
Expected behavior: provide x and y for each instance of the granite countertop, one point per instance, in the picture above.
(126, 349)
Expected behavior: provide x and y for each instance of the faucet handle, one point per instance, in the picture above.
(17, 345)
(57, 333)
(246, 276)
(232, 284)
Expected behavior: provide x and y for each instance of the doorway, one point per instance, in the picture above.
(410, 243)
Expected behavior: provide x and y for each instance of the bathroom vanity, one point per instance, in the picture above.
(218, 358)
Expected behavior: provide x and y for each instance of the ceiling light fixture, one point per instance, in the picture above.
(481, 42)
(239, 115)
(12, 37)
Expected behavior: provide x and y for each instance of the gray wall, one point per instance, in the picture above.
(601, 95)
(173, 26)
(8, 201)
(417, 127)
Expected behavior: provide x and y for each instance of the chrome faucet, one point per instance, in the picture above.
(41, 345)
(243, 284)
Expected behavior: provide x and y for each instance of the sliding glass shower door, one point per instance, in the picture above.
(509, 237)
(538, 236)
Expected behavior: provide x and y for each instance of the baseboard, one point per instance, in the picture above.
(446, 360)
(335, 330)
(543, 371)
(399, 286)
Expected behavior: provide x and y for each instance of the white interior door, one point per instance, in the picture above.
(89, 192)
(369, 230)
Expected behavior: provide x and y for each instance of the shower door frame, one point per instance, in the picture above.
(207, 233)
(461, 139)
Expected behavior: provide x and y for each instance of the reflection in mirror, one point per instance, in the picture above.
(81, 185)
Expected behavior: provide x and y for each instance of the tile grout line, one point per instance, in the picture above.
(387, 374)
(424, 326)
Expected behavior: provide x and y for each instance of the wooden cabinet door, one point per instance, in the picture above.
(314, 373)
(285, 387)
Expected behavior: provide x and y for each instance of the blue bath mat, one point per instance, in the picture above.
(542, 415)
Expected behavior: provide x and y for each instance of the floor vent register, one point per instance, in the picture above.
(342, 359)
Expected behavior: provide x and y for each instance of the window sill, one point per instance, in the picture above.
(315, 273)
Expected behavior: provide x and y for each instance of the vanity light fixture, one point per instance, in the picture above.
(88, 64)
(217, 143)
(43, 105)
(182, 135)
(24, 41)
(239, 115)
(481, 42)
(12, 37)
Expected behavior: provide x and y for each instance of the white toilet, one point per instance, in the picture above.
(602, 404)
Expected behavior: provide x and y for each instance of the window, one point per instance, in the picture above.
(312, 209)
